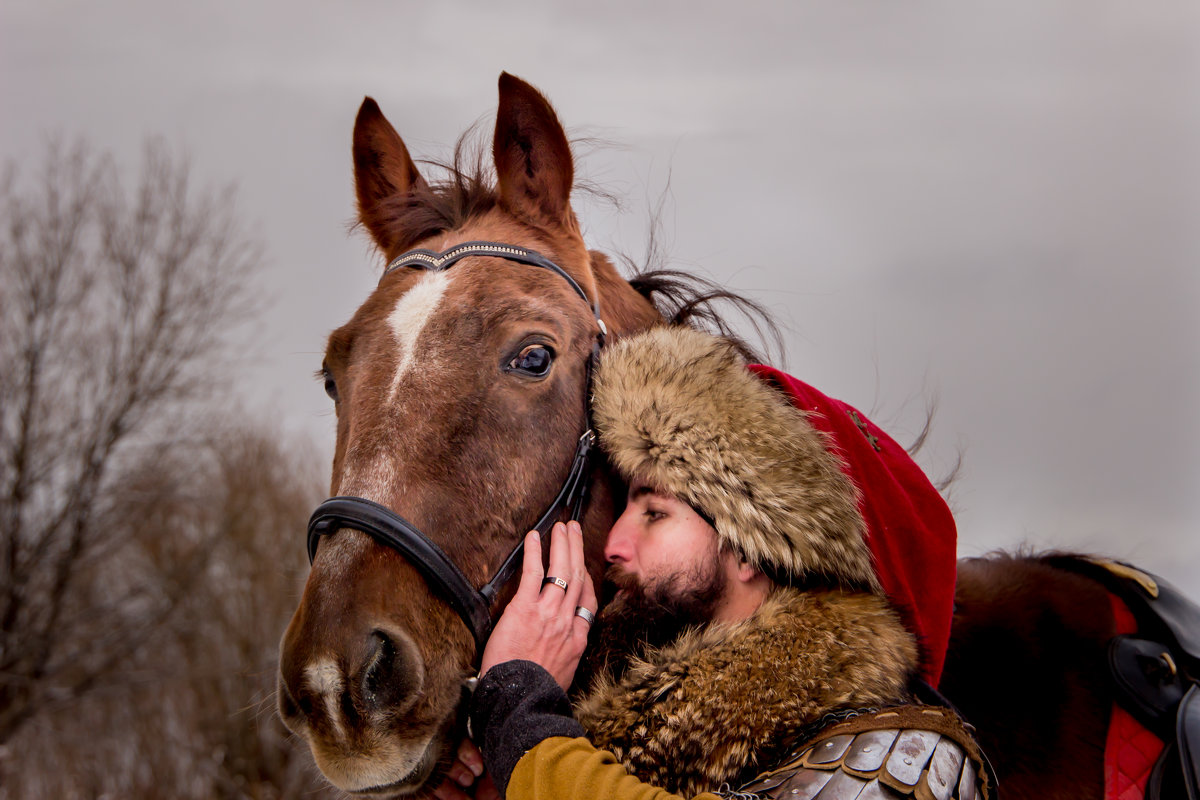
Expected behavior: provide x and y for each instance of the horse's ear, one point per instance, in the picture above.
(533, 159)
(382, 169)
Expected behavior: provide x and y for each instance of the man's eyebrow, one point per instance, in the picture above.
(641, 491)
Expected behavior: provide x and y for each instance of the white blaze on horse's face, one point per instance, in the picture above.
(410, 316)
(407, 321)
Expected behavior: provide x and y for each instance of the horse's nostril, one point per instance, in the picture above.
(391, 677)
(379, 665)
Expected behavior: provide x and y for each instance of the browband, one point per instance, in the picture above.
(436, 262)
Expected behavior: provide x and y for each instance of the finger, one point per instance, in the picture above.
(560, 563)
(531, 569)
(587, 599)
(470, 756)
(575, 560)
(459, 773)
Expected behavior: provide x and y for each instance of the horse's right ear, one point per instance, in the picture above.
(534, 169)
(382, 169)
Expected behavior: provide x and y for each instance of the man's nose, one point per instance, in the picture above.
(619, 547)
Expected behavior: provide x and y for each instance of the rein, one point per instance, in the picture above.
(472, 605)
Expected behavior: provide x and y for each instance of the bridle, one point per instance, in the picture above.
(390, 529)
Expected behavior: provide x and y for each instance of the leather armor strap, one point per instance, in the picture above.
(911, 751)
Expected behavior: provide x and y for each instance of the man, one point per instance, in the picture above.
(755, 628)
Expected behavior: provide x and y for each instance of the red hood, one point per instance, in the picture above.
(909, 528)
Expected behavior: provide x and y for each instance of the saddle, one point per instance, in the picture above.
(1156, 670)
(922, 752)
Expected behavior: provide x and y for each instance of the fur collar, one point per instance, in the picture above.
(726, 701)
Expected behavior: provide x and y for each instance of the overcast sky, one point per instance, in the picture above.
(996, 206)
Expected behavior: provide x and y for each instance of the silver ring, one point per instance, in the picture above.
(559, 582)
(585, 614)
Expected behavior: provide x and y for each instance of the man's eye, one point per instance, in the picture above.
(534, 360)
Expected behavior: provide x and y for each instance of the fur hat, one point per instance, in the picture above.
(804, 486)
(678, 408)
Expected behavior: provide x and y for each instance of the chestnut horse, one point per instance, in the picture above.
(460, 396)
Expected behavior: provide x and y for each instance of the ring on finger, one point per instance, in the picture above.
(559, 582)
(585, 614)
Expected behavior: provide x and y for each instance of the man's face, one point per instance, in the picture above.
(665, 571)
(661, 544)
(665, 575)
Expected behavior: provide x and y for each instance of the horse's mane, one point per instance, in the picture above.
(686, 299)
(467, 190)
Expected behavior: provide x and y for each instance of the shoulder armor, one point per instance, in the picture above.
(885, 755)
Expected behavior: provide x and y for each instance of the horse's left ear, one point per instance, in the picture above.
(534, 168)
(383, 170)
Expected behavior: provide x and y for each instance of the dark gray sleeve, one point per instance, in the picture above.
(516, 705)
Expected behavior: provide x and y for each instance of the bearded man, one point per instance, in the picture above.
(783, 579)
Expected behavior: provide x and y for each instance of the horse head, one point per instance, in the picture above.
(460, 396)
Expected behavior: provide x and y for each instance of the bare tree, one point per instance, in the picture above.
(193, 714)
(113, 304)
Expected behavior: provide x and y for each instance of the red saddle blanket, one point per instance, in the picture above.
(1131, 750)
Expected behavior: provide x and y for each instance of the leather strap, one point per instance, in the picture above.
(389, 528)
(436, 262)
(1147, 681)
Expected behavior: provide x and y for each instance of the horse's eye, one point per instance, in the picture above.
(534, 360)
(330, 384)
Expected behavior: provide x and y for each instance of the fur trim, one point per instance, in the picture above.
(726, 701)
(678, 408)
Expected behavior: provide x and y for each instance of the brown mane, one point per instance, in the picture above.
(467, 190)
(686, 299)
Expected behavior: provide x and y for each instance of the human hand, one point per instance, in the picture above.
(540, 624)
(465, 772)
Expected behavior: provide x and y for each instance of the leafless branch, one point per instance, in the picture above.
(114, 304)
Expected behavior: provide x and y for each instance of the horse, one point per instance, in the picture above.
(461, 392)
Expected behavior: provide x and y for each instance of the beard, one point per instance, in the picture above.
(636, 617)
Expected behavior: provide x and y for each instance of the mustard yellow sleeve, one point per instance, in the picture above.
(561, 768)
